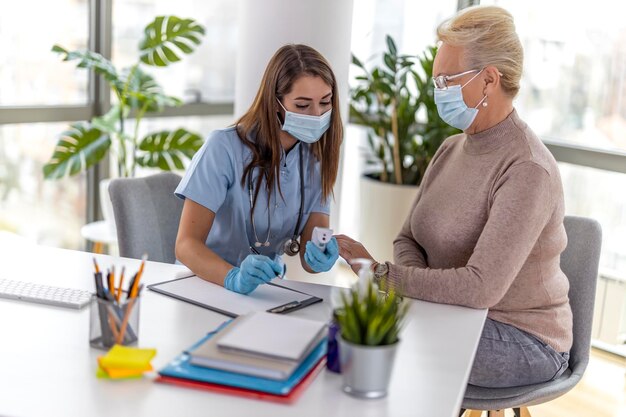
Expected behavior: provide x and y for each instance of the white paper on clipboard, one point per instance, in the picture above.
(205, 294)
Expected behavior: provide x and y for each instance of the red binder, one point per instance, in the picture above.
(293, 395)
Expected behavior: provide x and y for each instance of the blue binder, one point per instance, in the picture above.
(180, 367)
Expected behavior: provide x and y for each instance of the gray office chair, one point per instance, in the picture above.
(147, 214)
(579, 262)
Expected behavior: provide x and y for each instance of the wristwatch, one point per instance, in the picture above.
(380, 271)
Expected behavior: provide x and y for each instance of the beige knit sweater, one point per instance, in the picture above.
(486, 231)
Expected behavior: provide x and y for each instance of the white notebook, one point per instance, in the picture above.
(272, 335)
(209, 355)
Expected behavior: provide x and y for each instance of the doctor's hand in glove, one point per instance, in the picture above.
(321, 261)
(254, 271)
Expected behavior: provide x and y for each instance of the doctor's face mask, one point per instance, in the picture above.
(305, 128)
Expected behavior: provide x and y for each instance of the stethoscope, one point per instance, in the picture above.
(291, 246)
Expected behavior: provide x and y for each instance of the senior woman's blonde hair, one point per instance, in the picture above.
(487, 36)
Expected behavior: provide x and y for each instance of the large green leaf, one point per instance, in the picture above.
(167, 38)
(143, 90)
(167, 150)
(391, 45)
(91, 60)
(79, 147)
(110, 122)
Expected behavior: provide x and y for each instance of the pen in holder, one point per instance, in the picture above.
(113, 323)
(114, 312)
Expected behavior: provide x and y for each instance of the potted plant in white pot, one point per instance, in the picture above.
(83, 144)
(370, 322)
(395, 103)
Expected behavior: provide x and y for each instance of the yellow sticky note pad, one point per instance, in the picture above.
(130, 374)
(124, 357)
(125, 362)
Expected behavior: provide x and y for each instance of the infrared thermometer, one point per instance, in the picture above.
(321, 236)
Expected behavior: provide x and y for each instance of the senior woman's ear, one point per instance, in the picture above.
(492, 80)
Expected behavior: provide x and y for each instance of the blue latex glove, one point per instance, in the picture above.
(321, 261)
(253, 271)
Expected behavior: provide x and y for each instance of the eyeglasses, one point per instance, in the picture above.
(441, 81)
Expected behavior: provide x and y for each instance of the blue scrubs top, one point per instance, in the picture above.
(213, 180)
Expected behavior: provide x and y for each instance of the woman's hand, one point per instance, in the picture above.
(350, 249)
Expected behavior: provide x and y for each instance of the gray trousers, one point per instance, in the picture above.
(509, 357)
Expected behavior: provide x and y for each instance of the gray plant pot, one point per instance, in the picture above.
(366, 370)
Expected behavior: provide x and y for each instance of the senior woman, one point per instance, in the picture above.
(486, 228)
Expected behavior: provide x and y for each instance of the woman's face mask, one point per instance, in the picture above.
(451, 106)
(305, 128)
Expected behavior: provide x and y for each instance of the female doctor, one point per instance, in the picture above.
(257, 189)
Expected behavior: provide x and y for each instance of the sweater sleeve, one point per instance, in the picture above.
(521, 207)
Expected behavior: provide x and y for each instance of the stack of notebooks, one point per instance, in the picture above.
(125, 362)
(260, 355)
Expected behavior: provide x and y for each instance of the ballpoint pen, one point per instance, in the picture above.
(131, 285)
(111, 283)
(119, 288)
(134, 288)
(282, 275)
(285, 307)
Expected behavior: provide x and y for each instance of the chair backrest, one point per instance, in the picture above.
(147, 214)
(580, 262)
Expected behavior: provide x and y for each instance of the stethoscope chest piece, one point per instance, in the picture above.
(291, 247)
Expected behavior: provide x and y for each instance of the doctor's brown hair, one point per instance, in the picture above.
(259, 128)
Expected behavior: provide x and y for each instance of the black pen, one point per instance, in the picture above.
(285, 307)
(99, 285)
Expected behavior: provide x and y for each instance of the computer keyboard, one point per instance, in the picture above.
(44, 294)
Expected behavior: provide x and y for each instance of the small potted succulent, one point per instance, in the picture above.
(370, 323)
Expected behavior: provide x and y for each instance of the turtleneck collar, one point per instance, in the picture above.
(494, 137)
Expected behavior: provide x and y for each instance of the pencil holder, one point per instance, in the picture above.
(112, 322)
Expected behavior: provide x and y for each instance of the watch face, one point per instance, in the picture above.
(381, 269)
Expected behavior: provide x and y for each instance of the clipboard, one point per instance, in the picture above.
(272, 297)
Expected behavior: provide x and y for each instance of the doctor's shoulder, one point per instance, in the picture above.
(222, 143)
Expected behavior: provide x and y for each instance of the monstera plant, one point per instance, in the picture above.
(83, 144)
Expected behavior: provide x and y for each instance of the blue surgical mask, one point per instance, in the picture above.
(305, 128)
(452, 108)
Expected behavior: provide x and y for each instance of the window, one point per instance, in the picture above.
(30, 73)
(592, 193)
(208, 74)
(47, 211)
(574, 83)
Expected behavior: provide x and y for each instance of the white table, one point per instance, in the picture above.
(47, 367)
(100, 233)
